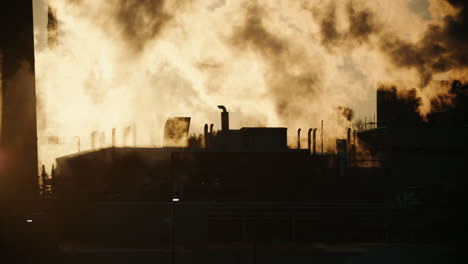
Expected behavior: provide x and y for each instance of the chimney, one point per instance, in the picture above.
(348, 136)
(314, 141)
(211, 129)
(224, 118)
(309, 138)
(299, 138)
(354, 135)
(205, 135)
(18, 181)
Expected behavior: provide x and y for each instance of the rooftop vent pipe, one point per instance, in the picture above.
(299, 138)
(205, 135)
(224, 118)
(309, 138)
(348, 132)
(314, 141)
(211, 129)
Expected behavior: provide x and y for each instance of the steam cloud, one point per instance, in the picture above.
(281, 63)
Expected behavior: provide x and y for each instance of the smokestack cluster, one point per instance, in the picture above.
(286, 66)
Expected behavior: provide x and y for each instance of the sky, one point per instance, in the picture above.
(288, 63)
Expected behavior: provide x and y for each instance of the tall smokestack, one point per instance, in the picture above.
(18, 140)
(211, 129)
(309, 138)
(224, 118)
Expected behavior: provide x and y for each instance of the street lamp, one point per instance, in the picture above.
(173, 204)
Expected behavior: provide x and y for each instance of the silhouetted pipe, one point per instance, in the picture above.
(224, 118)
(299, 138)
(314, 141)
(354, 135)
(348, 132)
(309, 138)
(113, 137)
(322, 137)
(222, 107)
(211, 129)
(205, 135)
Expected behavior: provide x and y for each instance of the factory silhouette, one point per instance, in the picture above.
(229, 190)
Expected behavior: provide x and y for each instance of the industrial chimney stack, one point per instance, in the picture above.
(18, 139)
(224, 118)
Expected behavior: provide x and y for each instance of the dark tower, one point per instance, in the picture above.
(18, 139)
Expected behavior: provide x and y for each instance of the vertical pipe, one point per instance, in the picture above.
(299, 138)
(322, 137)
(18, 103)
(348, 133)
(224, 118)
(314, 140)
(354, 135)
(365, 124)
(375, 124)
(211, 129)
(309, 138)
(113, 137)
(205, 135)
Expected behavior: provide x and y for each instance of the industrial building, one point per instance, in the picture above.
(247, 185)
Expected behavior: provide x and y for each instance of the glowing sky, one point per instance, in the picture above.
(272, 63)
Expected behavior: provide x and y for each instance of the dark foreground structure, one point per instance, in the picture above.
(247, 186)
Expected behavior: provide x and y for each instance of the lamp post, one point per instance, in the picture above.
(173, 204)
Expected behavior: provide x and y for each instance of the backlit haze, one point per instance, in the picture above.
(271, 63)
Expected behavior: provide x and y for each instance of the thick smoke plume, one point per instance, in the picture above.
(272, 63)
